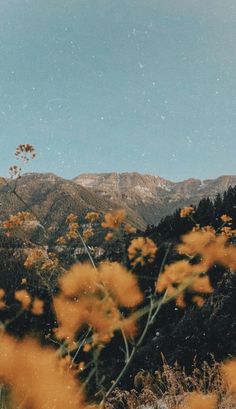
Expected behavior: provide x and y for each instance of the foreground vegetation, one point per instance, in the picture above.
(61, 318)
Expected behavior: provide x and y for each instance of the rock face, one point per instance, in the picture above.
(152, 197)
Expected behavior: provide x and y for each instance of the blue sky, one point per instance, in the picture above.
(119, 85)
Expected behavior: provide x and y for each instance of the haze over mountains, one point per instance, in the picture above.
(146, 198)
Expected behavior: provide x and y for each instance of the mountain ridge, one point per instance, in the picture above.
(152, 196)
(146, 198)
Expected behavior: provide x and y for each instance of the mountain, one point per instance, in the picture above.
(146, 198)
(152, 197)
(53, 198)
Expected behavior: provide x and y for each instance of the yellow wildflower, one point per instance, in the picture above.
(228, 370)
(109, 236)
(24, 297)
(129, 229)
(71, 218)
(2, 303)
(197, 400)
(114, 219)
(225, 218)
(87, 233)
(186, 211)
(92, 216)
(37, 307)
(141, 250)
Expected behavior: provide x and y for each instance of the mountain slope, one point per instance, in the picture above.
(53, 198)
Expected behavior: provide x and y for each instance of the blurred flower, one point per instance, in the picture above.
(228, 370)
(114, 219)
(109, 236)
(225, 218)
(186, 211)
(37, 306)
(35, 377)
(25, 152)
(87, 233)
(92, 216)
(2, 295)
(93, 297)
(129, 229)
(71, 218)
(197, 400)
(24, 298)
(141, 250)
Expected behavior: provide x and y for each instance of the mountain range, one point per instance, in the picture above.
(146, 198)
(152, 197)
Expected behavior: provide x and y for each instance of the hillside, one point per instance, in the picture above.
(53, 198)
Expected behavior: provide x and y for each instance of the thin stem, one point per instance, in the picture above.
(128, 362)
(87, 250)
(81, 344)
(127, 355)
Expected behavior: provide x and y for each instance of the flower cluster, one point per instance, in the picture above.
(92, 217)
(141, 250)
(72, 233)
(211, 249)
(180, 275)
(15, 171)
(41, 259)
(36, 306)
(35, 376)
(17, 220)
(87, 233)
(25, 152)
(93, 297)
(113, 220)
(129, 229)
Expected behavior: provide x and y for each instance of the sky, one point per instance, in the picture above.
(119, 86)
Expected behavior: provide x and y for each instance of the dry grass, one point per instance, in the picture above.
(172, 388)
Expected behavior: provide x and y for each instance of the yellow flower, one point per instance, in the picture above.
(2, 293)
(175, 273)
(88, 233)
(81, 366)
(186, 211)
(92, 216)
(129, 229)
(33, 372)
(225, 218)
(141, 250)
(24, 297)
(114, 219)
(87, 347)
(2, 303)
(61, 240)
(71, 218)
(197, 400)
(93, 297)
(37, 307)
(122, 284)
(228, 370)
(109, 236)
(198, 300)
